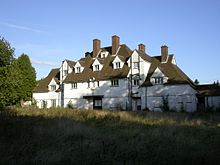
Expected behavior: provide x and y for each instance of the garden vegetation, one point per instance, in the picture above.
(67, 136)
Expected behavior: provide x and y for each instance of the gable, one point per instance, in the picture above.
(158, 73)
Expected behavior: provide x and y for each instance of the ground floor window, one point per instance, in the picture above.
(97, 103)
(44, 104)
(53, 103)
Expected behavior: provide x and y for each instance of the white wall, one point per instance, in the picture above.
(113, 96)
(47, 96)
(179, 97)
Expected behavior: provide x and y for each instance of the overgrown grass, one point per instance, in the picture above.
(66, 136)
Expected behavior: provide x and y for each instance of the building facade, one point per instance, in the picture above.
(118, 78)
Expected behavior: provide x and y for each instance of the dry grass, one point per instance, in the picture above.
(65, 136)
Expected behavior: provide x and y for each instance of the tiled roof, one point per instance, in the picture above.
(208, 90)
(42, 86)
(173, 72)
(71, 63)
(107, 71)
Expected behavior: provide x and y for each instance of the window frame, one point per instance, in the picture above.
(74, 85)
(53, 87)
(53, 103)
(115, 83)
(78, 69)
(158, 80)
(118, 65)
(96, 67)
(136, 65)
(136, 82)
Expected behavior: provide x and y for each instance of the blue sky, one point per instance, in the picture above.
(50, 31)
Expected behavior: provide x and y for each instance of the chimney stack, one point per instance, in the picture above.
(164, 53)
(96, 47)
(141, 48)
(115, 44)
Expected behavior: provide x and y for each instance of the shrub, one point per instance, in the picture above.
(165, 104)
(70, 105)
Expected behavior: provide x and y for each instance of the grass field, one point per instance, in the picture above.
(65, 136)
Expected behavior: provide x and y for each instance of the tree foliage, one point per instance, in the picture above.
(6, 53)
(17, 76)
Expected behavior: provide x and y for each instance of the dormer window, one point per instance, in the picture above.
(78, 69)
(117, 65)
(74, 85)
(53, 87)
(136, 65)
(103, 54)
(96, 67)
(136, 82)
(65, 72)
(158, 80)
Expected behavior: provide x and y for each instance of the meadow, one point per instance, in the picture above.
(66, 136)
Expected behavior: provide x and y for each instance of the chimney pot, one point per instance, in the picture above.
(96, 47)
(164, 53)
(115, 43)
(141, 48)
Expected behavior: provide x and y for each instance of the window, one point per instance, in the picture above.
(96, 68)
(115, 82)
(136, 65)
(53, 103)
(65, 72)
(88, 84)
(136, 82)
(78, 69)
(98, 103)
(74, 85)
(97, 83)
(117, 65)
(158, 80)
(44, 104)
(53, 87)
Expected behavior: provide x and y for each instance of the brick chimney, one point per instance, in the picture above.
(164, 53)
(141, 48)
(96, 47)
(115, 44)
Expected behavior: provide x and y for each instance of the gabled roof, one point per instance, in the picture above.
(173, 72)
(42, 86)
(107, 71)
(71, 63)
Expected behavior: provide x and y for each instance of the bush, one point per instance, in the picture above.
(70, 105)
(165, 104)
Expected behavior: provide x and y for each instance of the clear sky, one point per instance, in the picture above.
(50, 31)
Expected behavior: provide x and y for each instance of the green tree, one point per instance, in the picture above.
(6, 53)
(196, 81)
(27, 76)
(17, 76)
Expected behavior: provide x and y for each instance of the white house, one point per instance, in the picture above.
(117, 77)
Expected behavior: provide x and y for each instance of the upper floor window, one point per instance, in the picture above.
(114, 82)
(158, 80)
(74, 85)
(117, 65)
(53, 87)
(136, 82)
(65, 72)
(136, 65)
(96, 68)
(78, 69)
